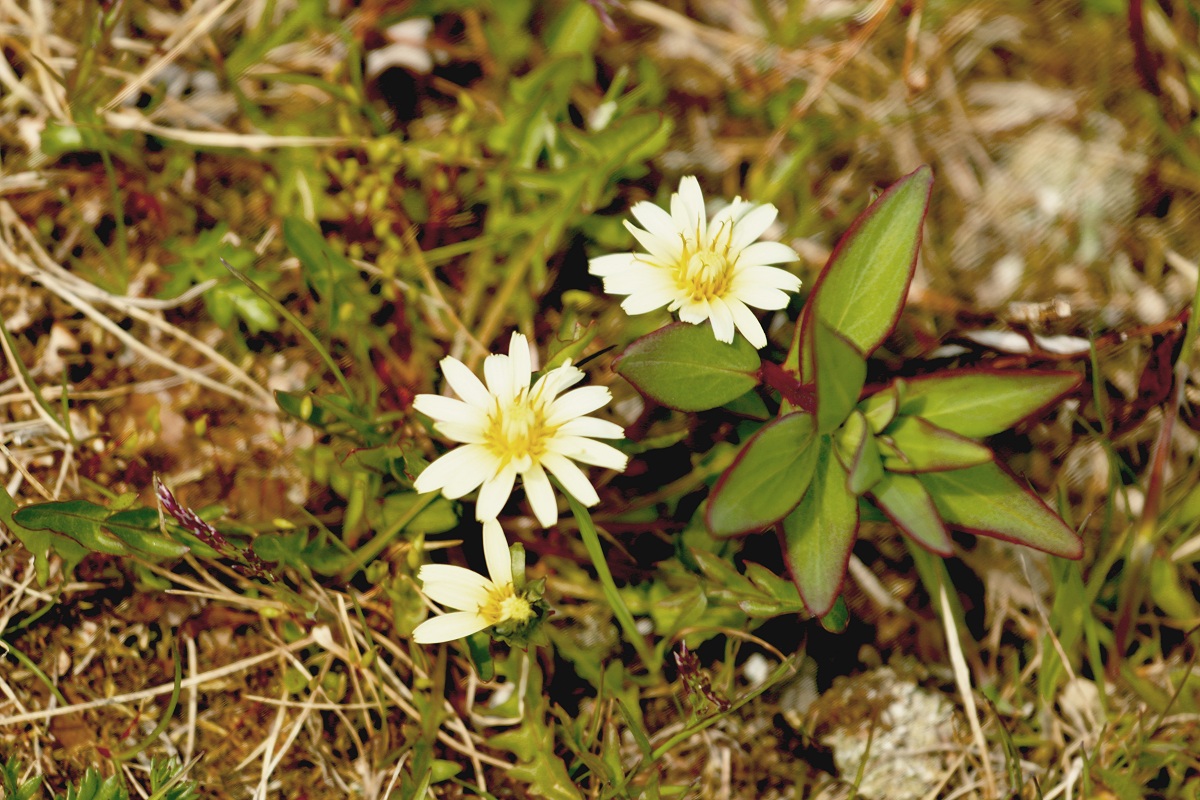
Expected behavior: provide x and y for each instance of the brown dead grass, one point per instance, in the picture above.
(1059, 177)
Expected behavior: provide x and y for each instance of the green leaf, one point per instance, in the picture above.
(749, 405)
(767, 478)
(682, 366)
(837, 618)
(841, 373)
(818, 535)
(978, 403)
(863, 287)
(138, 528)
(918, 445)
(881, 407)
(905, 501)
(856, 448)
(40, 542)
(78, 519)
(988, 501)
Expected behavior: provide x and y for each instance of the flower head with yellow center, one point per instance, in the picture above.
(704, 269)
(508, 428)
(479, 602)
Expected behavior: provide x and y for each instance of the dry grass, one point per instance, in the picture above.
(1060, 178)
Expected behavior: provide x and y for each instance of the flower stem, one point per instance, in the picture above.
(591, 541)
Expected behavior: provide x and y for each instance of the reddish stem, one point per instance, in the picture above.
(789, 386)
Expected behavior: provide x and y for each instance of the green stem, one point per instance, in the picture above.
(591, 541)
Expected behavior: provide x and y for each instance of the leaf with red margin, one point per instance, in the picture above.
(987, 501)
(978, 403)
(767, 478)
(862, 289)
(817, 536)
(906, 503)
(683, 367)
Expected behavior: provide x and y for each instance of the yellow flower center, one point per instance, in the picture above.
(517, 432)
(705, 275)
(505, 605)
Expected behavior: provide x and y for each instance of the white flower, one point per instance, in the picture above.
(705, 270)
(509, 429)
(480, 602)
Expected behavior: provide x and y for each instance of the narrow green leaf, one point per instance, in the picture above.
(978, 403)
(921, 446)
(818, 535)
(841, 373)
(905, 501)
(40, 542)
(682, 366)
(858, 451)
(837, 618)
(77, 519)
(881, 407)
(863, 287)
(767, 478)
(138, 528)
(988, 501)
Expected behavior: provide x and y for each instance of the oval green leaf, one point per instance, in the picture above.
(908, 505)
(978, 403)
(767, 478)
(683, 367)
(858, 451)
(78, 519)
(863, 287)
(986, 500)
(818, 534)
(922, 446)
(841, 373)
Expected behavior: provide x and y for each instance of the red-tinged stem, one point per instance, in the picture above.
(789, 386)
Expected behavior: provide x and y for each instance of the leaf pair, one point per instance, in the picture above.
(909, 449)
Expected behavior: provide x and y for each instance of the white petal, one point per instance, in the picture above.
(721, 320)
(457, 472)
(687, 208)
(694, 311)
(767, 253)
(448, 409)
(556, 380)
(572, 478)
(643, 277)
(449, 627)
(454, 587)
(664, 250)
(592, 427)
(761, 297)
(541, 496)
(467, 433)
(587, 451)
(495, 553)
(603, 266)
(654, 220)
(577, 403)
(728, 216)
(498, 373)
(644, 302)
(767, 277)
(519, 355)
(753, 225)
(465, 384)
(494, 494)
(747, 323)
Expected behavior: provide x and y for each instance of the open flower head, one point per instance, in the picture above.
(508, 428)
(704, 269)
(479, 602)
